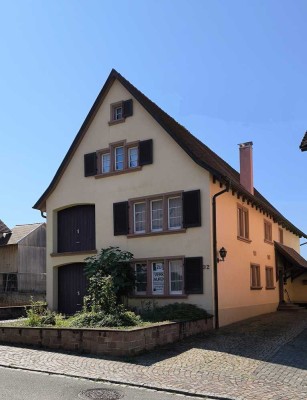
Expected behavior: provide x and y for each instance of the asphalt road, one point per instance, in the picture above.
(18, 384)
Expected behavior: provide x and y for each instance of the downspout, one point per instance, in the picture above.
(215, 258)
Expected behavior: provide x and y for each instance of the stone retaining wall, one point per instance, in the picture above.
(104, 341)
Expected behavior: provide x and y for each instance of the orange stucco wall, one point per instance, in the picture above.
(236, 298)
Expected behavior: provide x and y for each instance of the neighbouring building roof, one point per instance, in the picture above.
(197, 150)
(291, 255)
(18, 233)
(303, 145)
(3, 227)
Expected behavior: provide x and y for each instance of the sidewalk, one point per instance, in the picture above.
(261, 358)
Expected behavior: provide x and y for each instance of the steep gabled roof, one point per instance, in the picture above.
(18, 233)
(3, 227)
(197, 150)
(303, 145)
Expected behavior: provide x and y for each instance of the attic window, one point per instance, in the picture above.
(120, 111)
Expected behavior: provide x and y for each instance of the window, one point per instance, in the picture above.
(156, 215)
(243, 229)
(165, 214)
(119, 158)
(174, 213)
(117, 113)
(267, 231)
(133, 155)
(141, 278)
(255, 276)
(106, 162)
(162, 213)
(175, 276)
(281, 236)
(120, 111)
(269, 278)
(139, 217)
(157, 278)
(160, 277)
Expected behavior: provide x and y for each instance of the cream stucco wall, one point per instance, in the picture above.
(236, 299)
(172, 170)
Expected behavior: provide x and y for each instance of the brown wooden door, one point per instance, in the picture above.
(71, 288)
(76, 229)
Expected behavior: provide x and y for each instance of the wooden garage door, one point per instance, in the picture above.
(71, 288)
(76, 229)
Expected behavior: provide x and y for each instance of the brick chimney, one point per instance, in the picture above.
(246, 166)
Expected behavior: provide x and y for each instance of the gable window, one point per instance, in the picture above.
(119, 158)
(255, 281)
(243, 226)
(120, 111)
(139, 217)
(269, 278)
(267, 231)
(106, 162)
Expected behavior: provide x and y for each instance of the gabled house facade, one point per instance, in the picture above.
(135, 178)
(22, 263)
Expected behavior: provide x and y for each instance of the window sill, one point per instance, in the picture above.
(270, 288)
(116, 121)
(159, 296)
(136, 235)
(119, 172)
(256, 287)
(268, 242)
(244, 239)
(73, 253)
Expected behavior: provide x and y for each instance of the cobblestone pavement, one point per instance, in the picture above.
(261, 358)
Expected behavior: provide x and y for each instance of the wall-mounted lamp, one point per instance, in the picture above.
(222, 253)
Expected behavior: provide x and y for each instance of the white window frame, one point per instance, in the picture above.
(170, 279)
(102, 162)
(115, 159)
(137, 157)
(151, 218)
(168, 213)
(117, 115)
(134, 218)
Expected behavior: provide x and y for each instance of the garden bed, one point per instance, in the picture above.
(105, 341)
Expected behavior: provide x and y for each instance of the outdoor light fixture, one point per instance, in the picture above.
(222, 253)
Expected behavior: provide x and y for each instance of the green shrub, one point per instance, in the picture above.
(93, 319)
(173, 312)
(38, 315)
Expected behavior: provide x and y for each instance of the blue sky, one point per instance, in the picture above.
(230, 71)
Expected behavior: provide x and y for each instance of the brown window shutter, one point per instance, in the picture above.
(127, 108)
(90, 164)
(146, 152)
(121, 218)
(191, 209)
(193, 275)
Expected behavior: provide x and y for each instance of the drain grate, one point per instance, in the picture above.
(100, 394)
